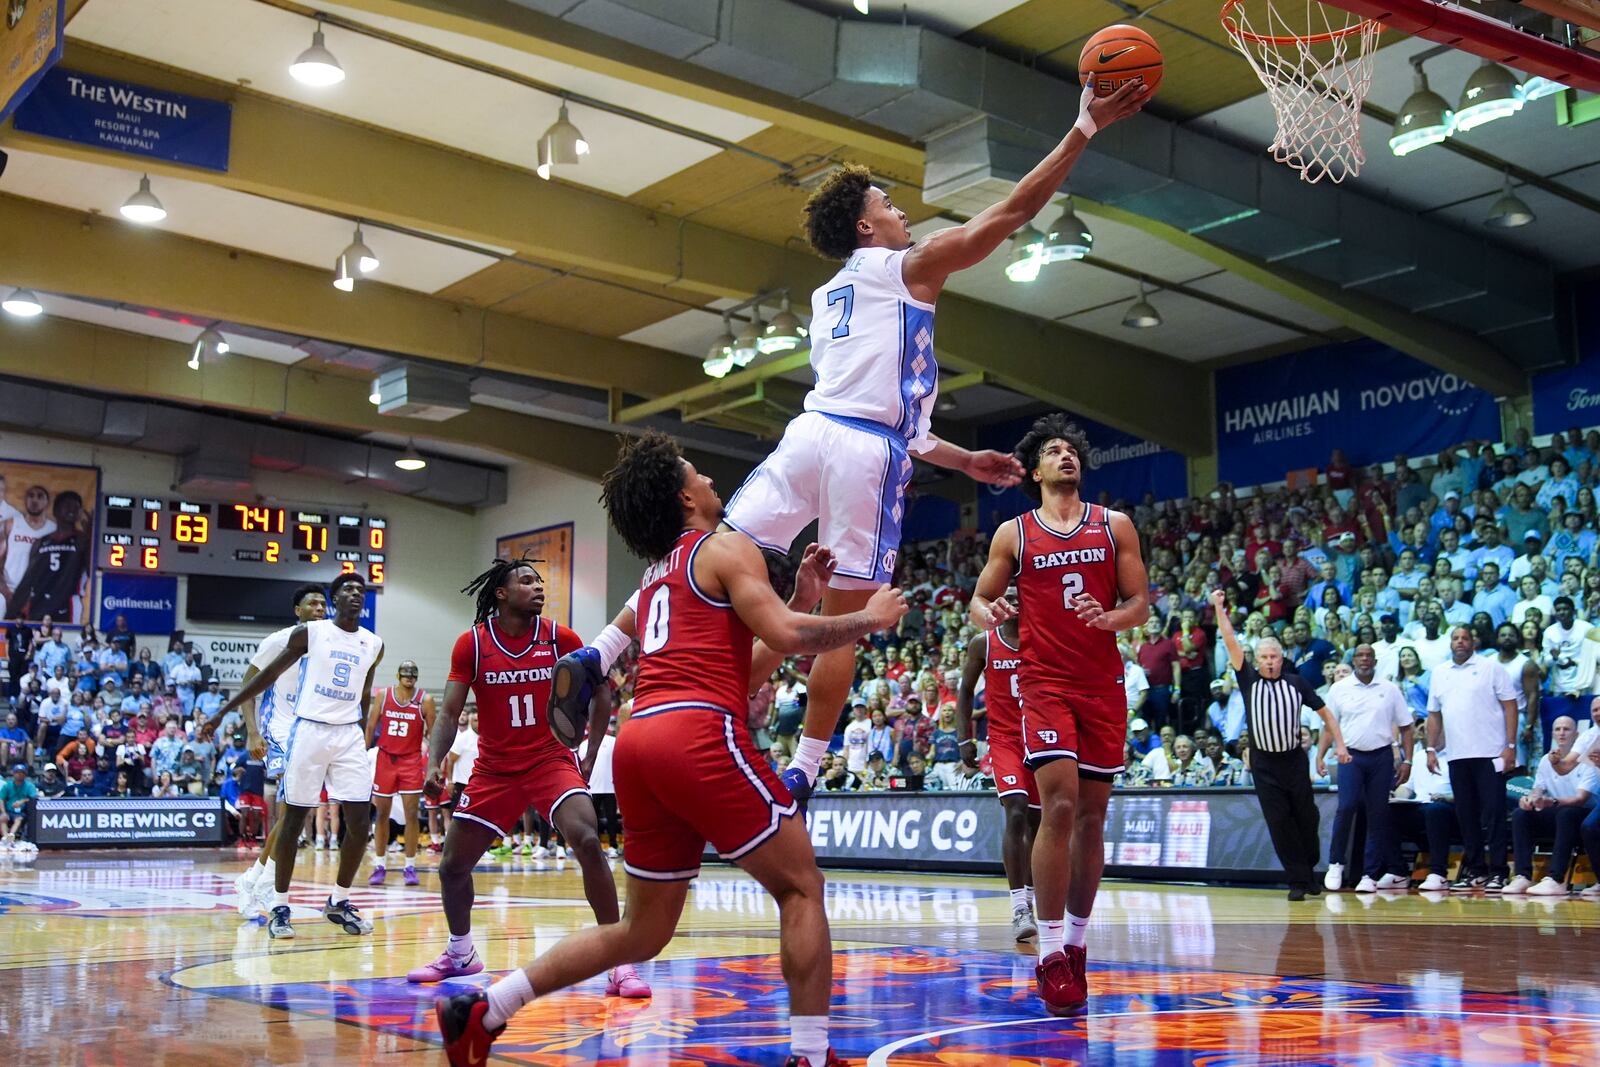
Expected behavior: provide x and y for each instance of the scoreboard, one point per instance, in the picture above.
(153, 535)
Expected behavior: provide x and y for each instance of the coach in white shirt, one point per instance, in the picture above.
(1373, 715)
(1555, 808)
(1471, 703)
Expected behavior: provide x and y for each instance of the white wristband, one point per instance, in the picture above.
(611, 644)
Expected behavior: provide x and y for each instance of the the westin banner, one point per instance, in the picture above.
(1289, 413)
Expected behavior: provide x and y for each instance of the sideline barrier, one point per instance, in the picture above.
(123, 822)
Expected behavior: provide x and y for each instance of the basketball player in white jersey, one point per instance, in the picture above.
(18, 532)
(846, 460)
(327, 745)
(267, 721)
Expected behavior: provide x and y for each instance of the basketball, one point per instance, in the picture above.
(1117, 55)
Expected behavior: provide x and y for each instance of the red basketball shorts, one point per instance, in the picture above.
(1060, 723)
(1011, 774)
(686, 776)
(398, 774)
(498, 801)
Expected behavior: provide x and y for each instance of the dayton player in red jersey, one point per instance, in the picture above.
(686, 770)
(401, 716)
(995, 656)
(506, 659)
(1079, 579)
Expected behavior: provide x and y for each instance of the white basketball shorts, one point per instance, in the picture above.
(321, 755)
(848, 474)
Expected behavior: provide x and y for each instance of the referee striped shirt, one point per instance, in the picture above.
(1273, 708)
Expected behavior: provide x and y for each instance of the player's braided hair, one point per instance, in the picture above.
(1046, 428)
(484, 586)
(833, 210)
(640, 494)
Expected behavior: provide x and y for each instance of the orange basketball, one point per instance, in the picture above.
(1117, 55)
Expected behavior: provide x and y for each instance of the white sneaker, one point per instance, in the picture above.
(1517, 886)
(1394, 881)
(6, 845)
(1548, 887)
(611, 853)
(540, 852)
(1591, 893)
(1434, 883)
(244, 887)
(28, 847)
(1333, 881)
(1366, 885)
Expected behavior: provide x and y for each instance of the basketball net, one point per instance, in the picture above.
(1316, 65)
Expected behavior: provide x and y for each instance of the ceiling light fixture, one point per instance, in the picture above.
(748, 344)
(1491, 93)
(209, 343)
(1141, 313)
(1068, 238)
(143, 206)
(22, 303)
(316, 65)
(1027, 255)
(364, 258)
(1510, 211)
(1537, 88)
(1424, 119)
(862, 5)
(784, 333)
(412, 459)
(561, 146)
(343, 280)
(376, 396)
(719, 357)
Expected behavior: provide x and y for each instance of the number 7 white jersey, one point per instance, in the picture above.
(333, 672)
(872, 348)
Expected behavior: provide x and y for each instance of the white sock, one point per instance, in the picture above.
(377, 858)
(808, 756)
(1051, 936)
(411, 863)
(505, 997)
(280, 900)
(460, 947)
(1028, 889)
(808, 1037)
(1077, 930)
(1019, 899)
(269, 871)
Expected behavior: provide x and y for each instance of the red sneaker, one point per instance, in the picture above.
(802, 1061)
(1062, 985)
(466, 1039)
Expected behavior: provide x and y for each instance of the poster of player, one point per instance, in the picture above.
(553, 544)
(47, 540)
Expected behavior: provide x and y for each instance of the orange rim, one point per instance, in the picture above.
(1283, 42)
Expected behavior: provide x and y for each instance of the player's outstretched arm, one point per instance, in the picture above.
(939, 255)
(735, 565)
(293, 649)
(989, 606)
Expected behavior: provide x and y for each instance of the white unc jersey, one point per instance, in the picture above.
(333, 671)
(872, 348)
(275, 710)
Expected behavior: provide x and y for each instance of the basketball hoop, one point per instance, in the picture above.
(1316, 69)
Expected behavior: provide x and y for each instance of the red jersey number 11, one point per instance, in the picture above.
(527, 716)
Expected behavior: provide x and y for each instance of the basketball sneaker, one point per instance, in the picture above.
(1590, 893)
(796, 782)
(1394, 881)
(446, 966)
(1061, 982)
(802, 1061)
(1022, 925)
(624, 981)
(1468, 884)
(379, 873)
(245, 887)
(572, 686)
(1333, 881)
(466, 1039)
(409, 875)
(278, 926)
(1547, 887)
(264, 892)
(1434, 883)
(1517, 885)
(346, 915)
(1366, 885)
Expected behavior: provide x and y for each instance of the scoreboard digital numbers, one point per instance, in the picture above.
(154, 535)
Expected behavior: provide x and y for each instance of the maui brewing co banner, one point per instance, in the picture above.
(1289, 413)
(1119, 464)
(99, 822)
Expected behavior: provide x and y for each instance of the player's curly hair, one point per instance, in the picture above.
(640, 494)
(833, 210)
(1046, 428)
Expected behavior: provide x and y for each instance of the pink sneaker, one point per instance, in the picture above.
(411, 876)
(378, 874)
(447, 966)
(624, 981)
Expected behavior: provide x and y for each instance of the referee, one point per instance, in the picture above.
(1282, 769)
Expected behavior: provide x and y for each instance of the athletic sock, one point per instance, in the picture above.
(280, 900)
(505, 997)
(460, 947)
(1077, 929)
(411, 863)
(808, 756)
(269, 871)
(377, 858)
(1051, 936)
(808, 1037)
(1019, 899)
(1028, 889)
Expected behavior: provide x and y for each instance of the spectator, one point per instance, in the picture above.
(120, 637)
(1194, 674)
(1226, 769)
(1157, 656)
(190, 774)
(167, 749)
(1188, 768)
(1555, 807)
(145, 669)
(857, 735)
(76, 756)
(1387, 650)
(105, 774)
(877, 773)
(165, 786)
(209, 702)
(50, 782)
(1571, 674)
(17, 795)
(1141, 739)
(1472, 703)
(789, 708)
(15, 745)
(83, 785)
(186, 677)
